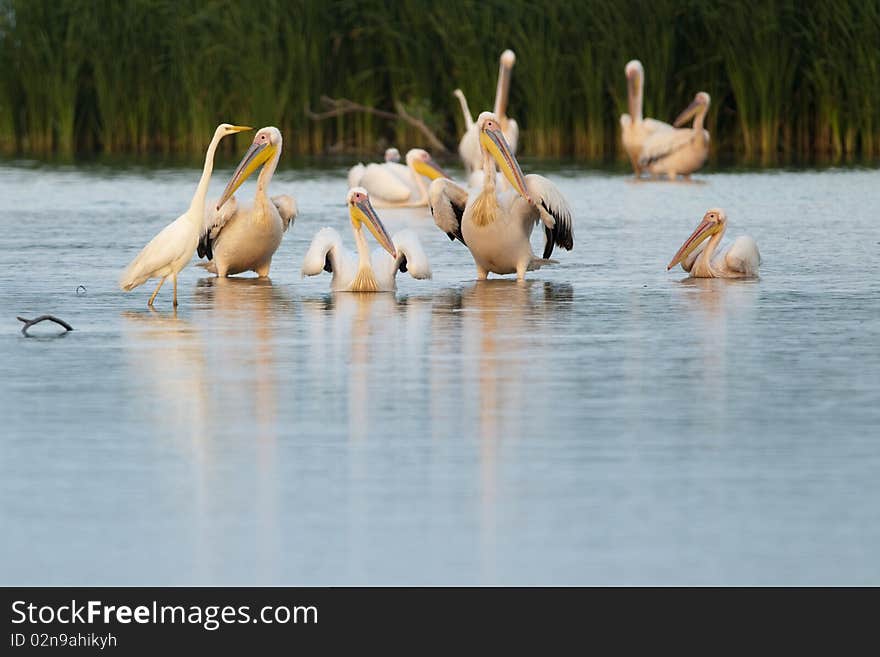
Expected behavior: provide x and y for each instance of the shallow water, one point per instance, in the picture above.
(606, 423)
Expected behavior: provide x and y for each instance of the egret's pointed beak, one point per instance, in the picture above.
(240, 128)
(362, 212)
(430, 169)
(256, 156)
(703, 231)
(494, 142)
(689, 112)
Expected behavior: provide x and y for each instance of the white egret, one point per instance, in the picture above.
(170, 251)
(363, 272)
(237, 239)
(680, 151)
(740, 260)
(496, 225)
(634, 128)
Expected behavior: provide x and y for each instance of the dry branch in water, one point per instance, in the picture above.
(30, 322)
(340, 106)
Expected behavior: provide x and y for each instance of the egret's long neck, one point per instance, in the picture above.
(704, 261)
(197, 205)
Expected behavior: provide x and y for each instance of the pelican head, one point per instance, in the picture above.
(266, 144)
(493, 142)
(226, 129)
(699, 104)
(392, 155)
(361, 212)
(714, 221)
(423, 164)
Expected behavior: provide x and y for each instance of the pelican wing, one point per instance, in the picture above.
(215, 220)
(447, 201)
(411, 256)
(382, 181)
(664, 143)
(554, 212)
(653, 125)
(324, 253)
(743, 256)
(286, 208)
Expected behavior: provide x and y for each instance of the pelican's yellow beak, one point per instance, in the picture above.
(494, 142)
(704, 230)
(689, 112)
(362, 212)
(429, 168)
(255, 157)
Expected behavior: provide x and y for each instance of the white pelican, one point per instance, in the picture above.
(739, 261)
(363, 273)
(634, 128)
(237, 239)
(680, 151)
(392, 156)
(170, 251)
(494, 225)
(469, 146)
(393, 185)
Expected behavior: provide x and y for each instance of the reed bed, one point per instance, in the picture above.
(788, 79)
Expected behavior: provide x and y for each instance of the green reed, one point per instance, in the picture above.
(787, 79)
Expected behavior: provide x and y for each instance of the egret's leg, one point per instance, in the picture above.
(152, 298)
(175, 290)
(482, 274)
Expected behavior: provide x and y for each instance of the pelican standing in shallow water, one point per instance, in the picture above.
(393, 185)
(741, 260)
(365, 273)
(496, 225)
(170, 251)
(633, 127)
(681, 151)
(469, 146)
(238, 239)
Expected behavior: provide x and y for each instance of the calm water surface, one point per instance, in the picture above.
(605, 423)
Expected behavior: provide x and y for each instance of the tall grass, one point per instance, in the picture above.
(787, 78)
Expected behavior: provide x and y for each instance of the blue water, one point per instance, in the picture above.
(605, 423)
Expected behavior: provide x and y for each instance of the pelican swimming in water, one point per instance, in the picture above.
(393, 185)
(238, 239)
(634, 128)
(698, 257)
(469, 146)
(363, 272)
(496, 225)
(681, 151)
(392, 156)
(170, 251)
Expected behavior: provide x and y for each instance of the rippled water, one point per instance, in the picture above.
(606, 423)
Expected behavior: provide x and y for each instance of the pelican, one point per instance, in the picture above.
(237, 239)
(392, 156)
(393, 185)
(680, 151)
(469, 146)
(635, 129)
(170, 251)
(496, 225)
(739, 261)
(363, 273)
